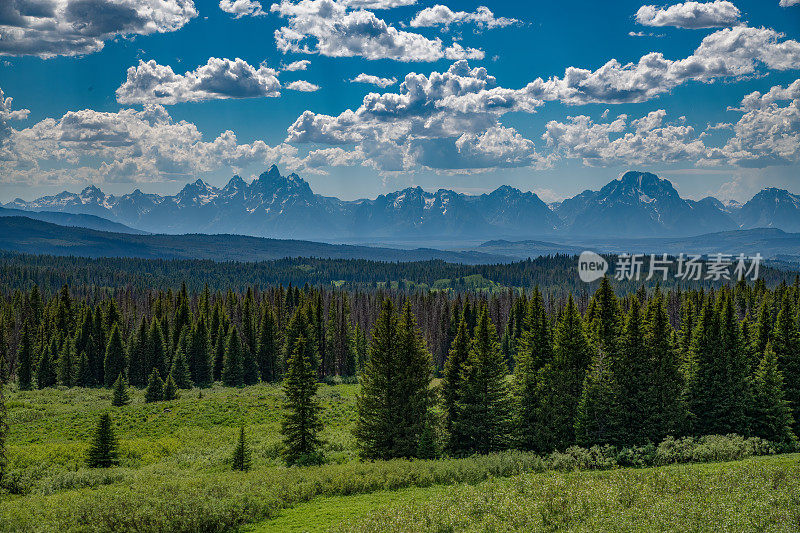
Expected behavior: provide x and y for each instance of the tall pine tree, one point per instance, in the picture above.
(25, 359)
(302, 423)
(115, 363)
(103, 452)
(233, 367)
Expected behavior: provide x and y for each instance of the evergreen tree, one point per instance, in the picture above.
(156, 353)
(137, 356)
(561, 381)
(66, 364)
(121, 396)
(25, 360)
(155, 388)
(666, 411)
(760, 335)
(219, 351)
(377, 403)
(103, 451)
(482, 424)
(233, 368)
(267, 350)
(180, 368)
(250, 373)
(771, 417)
(83, 374)
(241, 454)
(199, 359)
(459, 352)
(3, 414)
(46, 372)
(786, 345)
(632, 373)
(98, 348)
(170, 389)
(603, 318)
(302, 423)
(599, 416)
(115, 363)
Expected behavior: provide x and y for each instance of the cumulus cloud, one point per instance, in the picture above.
(691, 15)
(756, 100)
(7, 115)
(302, 86)
(728, 53)
(440, 15)
(297, 65)
(622, 141)
(444, 121)
(51, 28)
(242, 8)
(787, 3)
(374, 80)
(378, 4)
(332, 29)
(219, 78)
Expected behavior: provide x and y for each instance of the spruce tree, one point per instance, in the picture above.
(156, 353)
(219, 351)
(200, 364)
(771, 416)
(25, 360)
(233, 368)
(155, 388)
(632, 373)
(302, 423)
(561, 381)
(603, 318)
(482, 424)
(137, 356)
(83, 373)
(241, 459)
(121, 396)
(786, 345)
(103, 451)
(46, 372)
(170, 389)
(599, 417)
(267, 350)
(250, 373)
(115, 363)
(3, 414)
(180, 368)
(377, 403)
(66, 364)
(459, 352)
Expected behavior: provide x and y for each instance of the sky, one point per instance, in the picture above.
(364, 97)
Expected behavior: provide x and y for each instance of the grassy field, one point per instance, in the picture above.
(175, 476)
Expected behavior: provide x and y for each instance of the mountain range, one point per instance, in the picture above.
(638, 204)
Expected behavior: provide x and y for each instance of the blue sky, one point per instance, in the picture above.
(154, 93)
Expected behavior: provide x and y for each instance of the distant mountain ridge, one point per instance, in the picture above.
(639, 204)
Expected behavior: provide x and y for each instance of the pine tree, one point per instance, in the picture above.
(180, 369)
(25, 360)
(103, 451)
(786, 345)
(3, 414)
(377, 403)
(156, 353)
(66, 364)
(599, 417)
(121, 396)
(603, 318)
(115, 363)
(561, 381)
(83, 373)
(137, 356)
(632, 373)
(482, 424)
(199, 359)
(241, 454)
(155, 388)
(459, 352)
(267, 350)
(45, 372)
(302, 423)
(250, 373)
(219, 351)
(771, 416)
(233, 368)
(170, 389)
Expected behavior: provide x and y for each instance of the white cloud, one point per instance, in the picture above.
(242, 8)
(7, 114)
(641, 141)
(297, 65)
(374, 80)
(787, 3)
(690, 15)
(331, 29)
(756, 100)
(378, 4)
(440, 15)
(302, 86)
(218, 78)
(51, 28)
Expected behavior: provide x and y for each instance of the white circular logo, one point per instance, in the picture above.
(591, 266)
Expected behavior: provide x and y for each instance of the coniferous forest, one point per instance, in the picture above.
(623, 377)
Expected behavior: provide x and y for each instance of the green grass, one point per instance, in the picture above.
(175, 470)
(758, 494)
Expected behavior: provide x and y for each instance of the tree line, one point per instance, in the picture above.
(519, 369)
